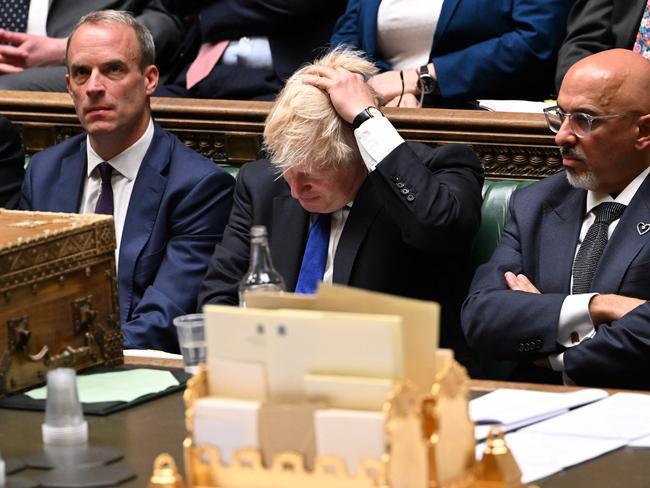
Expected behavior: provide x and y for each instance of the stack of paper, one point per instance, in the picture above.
(581, 434)
(511, 409)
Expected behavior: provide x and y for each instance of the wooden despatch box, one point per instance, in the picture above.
(58, 295)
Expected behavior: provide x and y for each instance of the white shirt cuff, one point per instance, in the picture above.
(557, 364)
(376, 139)
(575, 323)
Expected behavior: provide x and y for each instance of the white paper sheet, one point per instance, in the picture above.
(642, 442)
(515, 105)
(540, 455)
(623, 416)
(511, 409)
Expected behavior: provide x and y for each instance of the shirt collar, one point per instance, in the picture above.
(625, 197)
(127, 163)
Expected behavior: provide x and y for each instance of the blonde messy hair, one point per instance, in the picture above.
(303, 129)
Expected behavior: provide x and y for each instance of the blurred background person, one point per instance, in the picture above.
(246, 49)
(599, 25)
(33, 36)
(456, 51)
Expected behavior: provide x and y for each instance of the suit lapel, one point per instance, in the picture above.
(288, 238)
(141, 214)
(559, 233)
(362, 215)
(625, 243)
(447, 12)
(69, 186)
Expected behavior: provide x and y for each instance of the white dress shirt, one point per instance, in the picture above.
(574, 321)
(37, 17)
(125, 169)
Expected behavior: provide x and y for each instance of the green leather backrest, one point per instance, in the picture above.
(495, 213)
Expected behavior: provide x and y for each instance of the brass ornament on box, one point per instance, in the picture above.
(429, 443)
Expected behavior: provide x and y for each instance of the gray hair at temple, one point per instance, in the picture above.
(303, 129)
(142, 33)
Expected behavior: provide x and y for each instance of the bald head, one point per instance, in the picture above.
(618, 80)
(611, 87)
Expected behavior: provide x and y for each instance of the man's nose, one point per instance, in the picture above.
(95, 82)
(299, 184)
(565, 135)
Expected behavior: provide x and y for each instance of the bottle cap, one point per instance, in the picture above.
(64, 421)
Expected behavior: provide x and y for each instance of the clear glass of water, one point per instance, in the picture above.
(191, 339)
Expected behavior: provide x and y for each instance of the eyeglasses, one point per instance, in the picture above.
(580, 123)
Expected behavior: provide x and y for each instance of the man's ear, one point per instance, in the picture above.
(643, 140)
(67, 84)
(151, 76)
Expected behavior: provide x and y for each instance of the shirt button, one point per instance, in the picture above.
(575, 337)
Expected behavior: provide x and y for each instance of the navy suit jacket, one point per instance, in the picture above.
(179, 207)
(540, 242)
(481, 48)
(412, 243)
(12, 164)
(598, 25)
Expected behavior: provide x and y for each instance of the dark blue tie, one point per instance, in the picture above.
(13, 15)
(315, 257)
(105, 200)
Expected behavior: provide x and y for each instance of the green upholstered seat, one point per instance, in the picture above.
(494, 216)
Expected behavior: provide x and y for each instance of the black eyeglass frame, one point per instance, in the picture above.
(580, 132)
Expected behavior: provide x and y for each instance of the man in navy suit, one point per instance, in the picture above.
(530, 302)
(169, 203)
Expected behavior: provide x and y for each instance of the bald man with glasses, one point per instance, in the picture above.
(565, 293)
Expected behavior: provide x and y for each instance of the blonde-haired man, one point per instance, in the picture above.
(391, 216)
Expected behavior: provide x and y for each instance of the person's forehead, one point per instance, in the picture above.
(118, 39)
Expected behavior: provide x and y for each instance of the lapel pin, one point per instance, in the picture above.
(642, 228)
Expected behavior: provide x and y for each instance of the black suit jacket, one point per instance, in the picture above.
(296, 29)
(12, 164)
(415, 247)
(540, 242)
(598, 25)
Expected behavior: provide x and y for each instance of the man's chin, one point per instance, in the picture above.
(313, 205)
(585, 181)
